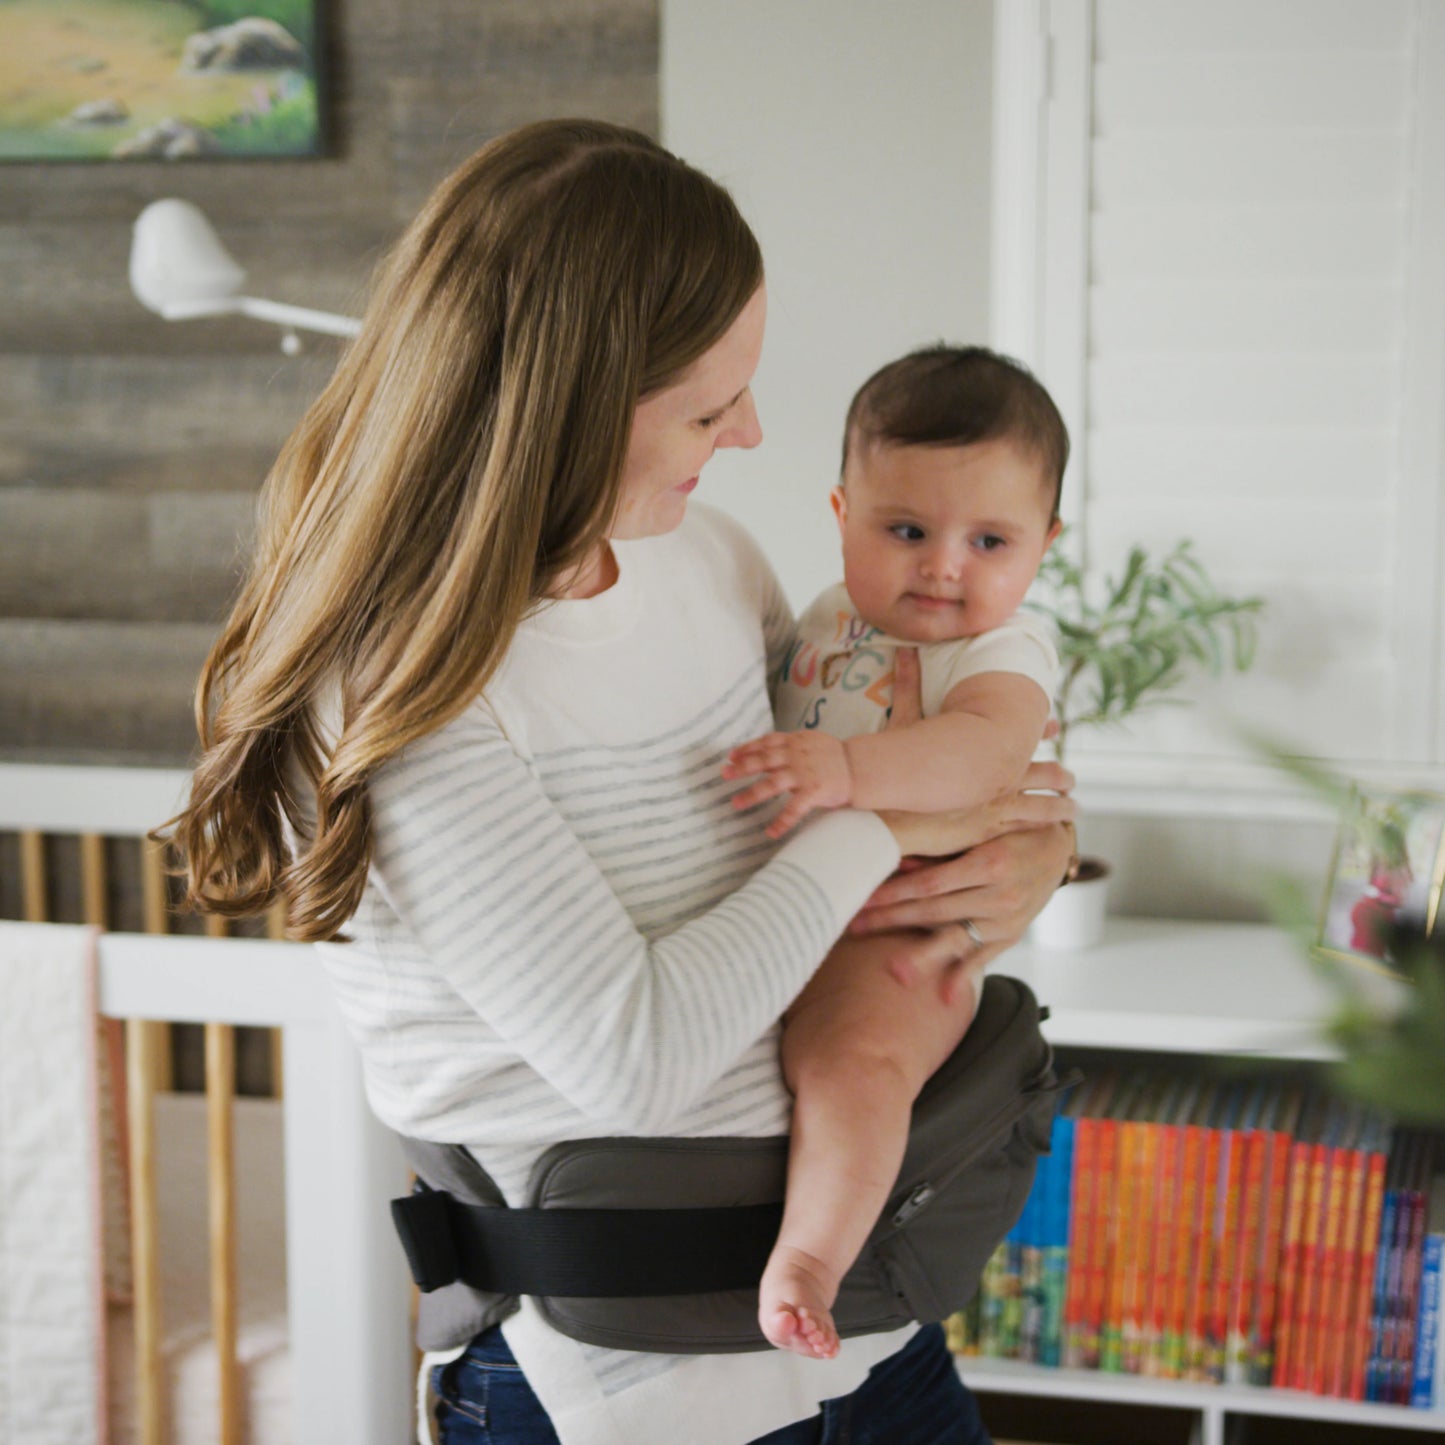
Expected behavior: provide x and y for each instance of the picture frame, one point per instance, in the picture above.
(168, 80)
(1388, 866)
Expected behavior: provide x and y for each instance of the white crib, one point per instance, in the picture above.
(347, 1293)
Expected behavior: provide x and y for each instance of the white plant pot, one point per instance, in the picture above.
(1074, 916)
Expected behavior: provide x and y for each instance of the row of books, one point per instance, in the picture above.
(1189, 1225)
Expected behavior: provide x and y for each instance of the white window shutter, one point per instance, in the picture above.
(1225, 255)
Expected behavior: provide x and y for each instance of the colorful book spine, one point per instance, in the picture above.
(1055, 1236)
(1101, 1248)
(1123, 1225)
(961, 1330)
(1387, 1266)
(1201, 1264)
(1138, 1261)
(1345, 1173)
(1031, 1268)
(1427, 1324)
(1185, 1231)
(1362, 1293)
(1165, 1204)
(1307, 1297)
(1278, 1142)
(1351, 1247)
(1225, 1245)
(1010, 1283)
(1082, 1192)
(1403, 1362)
(1301, 1156)
(1245, 1284)
(991, 1291)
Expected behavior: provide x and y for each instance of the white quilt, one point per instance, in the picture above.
(52, 1314)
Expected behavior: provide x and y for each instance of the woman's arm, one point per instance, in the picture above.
(518, 919)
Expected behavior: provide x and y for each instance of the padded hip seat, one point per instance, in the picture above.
(658, 1244)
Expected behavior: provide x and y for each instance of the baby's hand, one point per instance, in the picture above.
(811, 766)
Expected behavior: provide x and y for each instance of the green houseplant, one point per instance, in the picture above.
(1123, 646)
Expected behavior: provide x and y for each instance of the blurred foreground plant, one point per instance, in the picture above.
(1391, 1036)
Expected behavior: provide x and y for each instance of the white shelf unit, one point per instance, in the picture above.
(1160, 986)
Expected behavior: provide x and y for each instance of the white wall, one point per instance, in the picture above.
(855, 136)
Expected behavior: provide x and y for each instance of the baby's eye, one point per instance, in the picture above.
(989, 542)
(906, 532)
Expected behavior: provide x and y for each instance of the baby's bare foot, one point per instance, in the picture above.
(795, 1304)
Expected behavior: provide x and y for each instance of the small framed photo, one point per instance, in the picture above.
(1388, 868)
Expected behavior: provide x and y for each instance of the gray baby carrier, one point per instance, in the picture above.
(658, 1244)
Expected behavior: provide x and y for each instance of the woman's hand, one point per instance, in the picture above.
(999, 885)
(949, 920)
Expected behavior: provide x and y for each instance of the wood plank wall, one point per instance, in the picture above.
(131, 449)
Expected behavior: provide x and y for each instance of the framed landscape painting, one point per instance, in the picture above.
(1388, 868)
(158, 79)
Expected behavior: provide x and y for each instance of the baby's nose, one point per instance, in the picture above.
(944, 561)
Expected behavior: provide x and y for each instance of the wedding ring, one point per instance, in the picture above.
(971, 928)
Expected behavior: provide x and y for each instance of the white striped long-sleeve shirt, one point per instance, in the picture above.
(568, 932)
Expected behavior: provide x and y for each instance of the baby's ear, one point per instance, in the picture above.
(1053, 533)
(839, 498)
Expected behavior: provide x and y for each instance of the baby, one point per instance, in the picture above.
(952, 464)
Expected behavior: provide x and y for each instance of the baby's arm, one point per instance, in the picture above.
(976, 748)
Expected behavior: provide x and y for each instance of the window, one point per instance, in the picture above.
(1219, 237)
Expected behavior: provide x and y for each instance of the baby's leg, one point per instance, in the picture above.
(857, 1048)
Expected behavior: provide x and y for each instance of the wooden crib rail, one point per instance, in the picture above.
(347, 1288)
(348, 1296)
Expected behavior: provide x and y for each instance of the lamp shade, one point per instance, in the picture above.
(176, 259)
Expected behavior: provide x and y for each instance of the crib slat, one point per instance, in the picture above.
(276, 929)
(155, 904)
(221, 1197)
(140, 1047)
(93, 879)
(32, 877)
(156, 918)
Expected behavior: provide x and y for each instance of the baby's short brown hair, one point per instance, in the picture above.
(956, 396)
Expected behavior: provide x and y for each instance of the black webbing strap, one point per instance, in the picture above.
(583, 1253)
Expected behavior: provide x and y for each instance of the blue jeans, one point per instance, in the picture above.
(912, 1398)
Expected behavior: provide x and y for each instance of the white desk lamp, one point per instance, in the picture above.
(180, 270)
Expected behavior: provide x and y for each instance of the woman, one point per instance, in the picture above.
(471, 708)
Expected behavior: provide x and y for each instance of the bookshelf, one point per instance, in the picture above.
(1199, 989)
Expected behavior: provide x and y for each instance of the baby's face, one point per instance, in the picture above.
(942, 542)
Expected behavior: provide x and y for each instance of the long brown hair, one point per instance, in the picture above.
(465, 457)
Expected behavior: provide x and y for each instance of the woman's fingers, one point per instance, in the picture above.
(1003, 882)
(1035, 810)
(928, 953)
(946, 956)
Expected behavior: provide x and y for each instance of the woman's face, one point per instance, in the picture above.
(676, 430)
